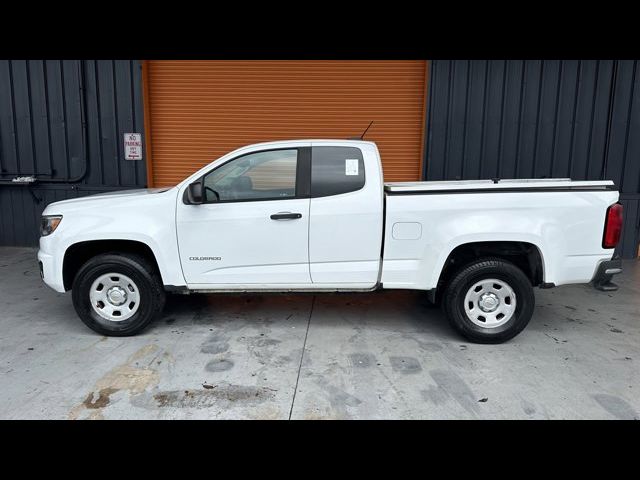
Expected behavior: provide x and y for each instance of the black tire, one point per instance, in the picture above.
(466, 277)
(146, 278)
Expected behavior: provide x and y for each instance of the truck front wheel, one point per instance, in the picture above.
(117, 294)
(489, 301)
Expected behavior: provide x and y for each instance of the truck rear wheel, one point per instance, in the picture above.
(489, 301)
(117, 294)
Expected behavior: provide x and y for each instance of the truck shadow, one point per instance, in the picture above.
(394, 311)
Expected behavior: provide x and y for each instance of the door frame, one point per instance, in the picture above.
(303, 191)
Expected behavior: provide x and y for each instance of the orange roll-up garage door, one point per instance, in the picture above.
(200, 110)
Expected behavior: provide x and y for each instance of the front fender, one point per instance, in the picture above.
(149, 220)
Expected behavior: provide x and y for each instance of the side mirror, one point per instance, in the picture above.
(194, 193)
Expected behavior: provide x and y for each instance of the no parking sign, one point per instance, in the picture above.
(133, 146)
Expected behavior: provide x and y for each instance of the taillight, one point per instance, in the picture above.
(612, 226)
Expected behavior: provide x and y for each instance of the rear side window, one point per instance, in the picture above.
(336, 170)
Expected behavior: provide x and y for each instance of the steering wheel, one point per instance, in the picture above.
(212, 191)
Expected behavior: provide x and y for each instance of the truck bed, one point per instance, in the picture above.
(563, 219)
(544, 184)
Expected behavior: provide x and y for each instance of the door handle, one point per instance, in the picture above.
(286, 216)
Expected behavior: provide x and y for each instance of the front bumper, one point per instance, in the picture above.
(50, 268)
(605, 272)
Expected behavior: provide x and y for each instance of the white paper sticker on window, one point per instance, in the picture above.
(351, 166)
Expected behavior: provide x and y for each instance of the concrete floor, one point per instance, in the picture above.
(378, 355)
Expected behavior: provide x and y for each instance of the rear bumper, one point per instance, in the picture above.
(605, 272)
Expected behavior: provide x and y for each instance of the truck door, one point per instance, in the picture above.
(253, 228)
(345, 231)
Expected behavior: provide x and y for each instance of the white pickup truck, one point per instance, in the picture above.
(315, 215)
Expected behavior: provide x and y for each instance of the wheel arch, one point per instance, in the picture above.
(78, 253)
(525, 255)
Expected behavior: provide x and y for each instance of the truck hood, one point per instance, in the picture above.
(92, 200)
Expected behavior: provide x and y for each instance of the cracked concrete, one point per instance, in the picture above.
(374, 355)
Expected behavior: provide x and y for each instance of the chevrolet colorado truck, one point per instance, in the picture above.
(293, 216)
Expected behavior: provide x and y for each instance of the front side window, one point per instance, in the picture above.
(264, 175)
(336, 170)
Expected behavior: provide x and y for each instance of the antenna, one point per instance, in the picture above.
(366, 130)
(363, 133)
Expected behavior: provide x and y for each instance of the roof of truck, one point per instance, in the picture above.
(332, 141)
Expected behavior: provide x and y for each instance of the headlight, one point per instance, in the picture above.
(49, 223)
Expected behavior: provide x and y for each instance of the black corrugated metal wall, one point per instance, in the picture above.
(63, 121)
(534, 119)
